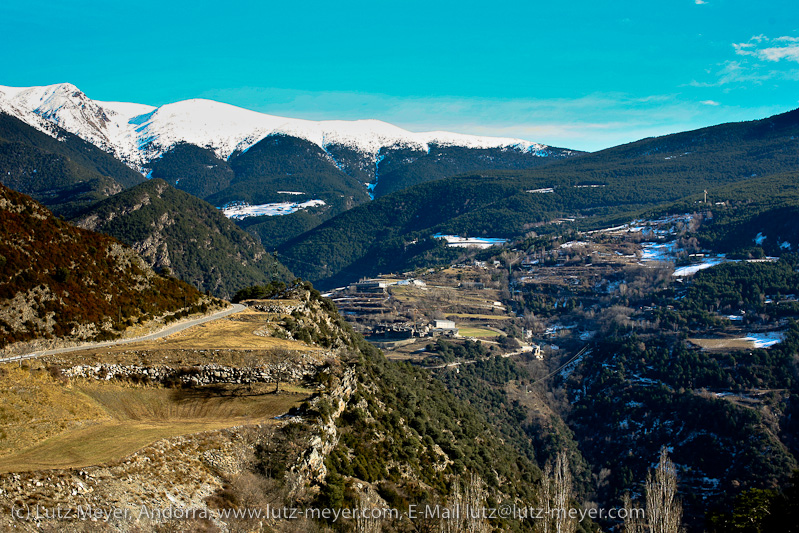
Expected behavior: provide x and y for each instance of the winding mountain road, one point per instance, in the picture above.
(234, 308)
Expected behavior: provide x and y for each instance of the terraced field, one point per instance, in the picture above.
(130, 418)
(48, 421)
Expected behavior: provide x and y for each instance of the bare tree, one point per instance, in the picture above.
(632, 518)
(663, 509)
(365, 520)
(281, 355)
(546, 498)
(562, 495)
(278, 378)
(465, 508)
(556, 497)
(253, 362)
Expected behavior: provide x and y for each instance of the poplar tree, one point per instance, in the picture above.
(663, 509)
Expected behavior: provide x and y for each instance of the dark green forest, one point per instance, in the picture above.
(400, 168)
(65, 174)
(175, 230)
(595, 190)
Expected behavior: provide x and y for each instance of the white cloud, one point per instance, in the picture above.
(710, 102)
(759, 59)
(744, 49)
(700, 2)
(770, 53)
(791, 53)
(735, 72)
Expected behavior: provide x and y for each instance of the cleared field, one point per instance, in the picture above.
(47, 421)
(446, 295)
(235, 332)
(724, 344)
(129, 418)
(474, 316)
(96, 445)
(34, 406)
(478, 332)
(407, 292)
(225, 341)
(211, 402)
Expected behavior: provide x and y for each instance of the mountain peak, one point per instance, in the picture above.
(65, 106)
(64, 88)
(45, 98)
(138, 134)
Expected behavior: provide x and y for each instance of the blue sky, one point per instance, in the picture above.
(584, 75)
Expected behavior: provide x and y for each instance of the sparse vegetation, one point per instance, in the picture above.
(61, 281)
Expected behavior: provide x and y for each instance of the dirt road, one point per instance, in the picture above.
(234, 308)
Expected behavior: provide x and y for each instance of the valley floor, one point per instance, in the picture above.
(611, 344)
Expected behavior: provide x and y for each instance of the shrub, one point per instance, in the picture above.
(61, 274)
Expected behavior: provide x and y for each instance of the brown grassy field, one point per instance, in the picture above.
(33, 407)
(477, 332)
(49, 422)
(226, 341)
(446, 296)
(119, 420)
(723, 344)
(235, 332)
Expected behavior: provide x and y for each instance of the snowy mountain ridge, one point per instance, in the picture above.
(138, 134)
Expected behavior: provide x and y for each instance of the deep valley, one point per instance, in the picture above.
(426, 320)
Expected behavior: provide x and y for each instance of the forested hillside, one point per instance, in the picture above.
(65, 174)
(277, 163)
(595, 189)
(401, 439)
(59, 281)
(635, 357)
(754, 218)
(277, 169)
(400, 168)
(174, 230)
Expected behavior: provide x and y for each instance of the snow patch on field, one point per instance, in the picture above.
(572, 244)
(239, 211)
(469, 242)
(690, 270)
(765, 340)
(665, 252)
(658, 252)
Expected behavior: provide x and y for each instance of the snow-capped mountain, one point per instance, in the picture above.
(138, 134)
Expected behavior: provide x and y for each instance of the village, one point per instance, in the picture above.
(403, 314)
(542, 301)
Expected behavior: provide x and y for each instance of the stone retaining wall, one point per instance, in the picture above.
(196, 375)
